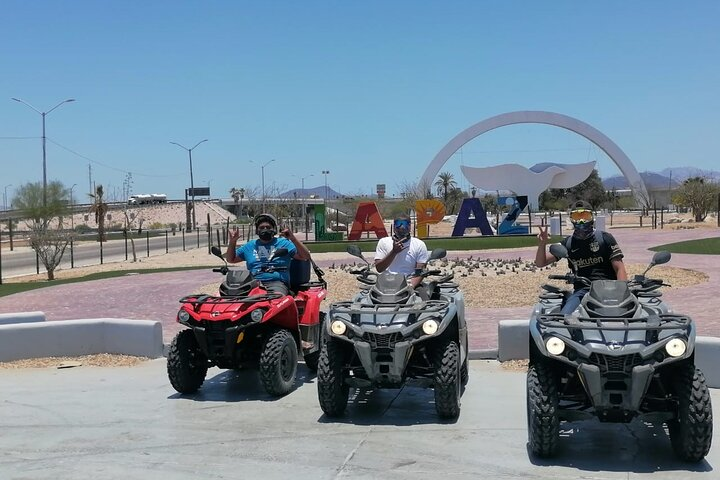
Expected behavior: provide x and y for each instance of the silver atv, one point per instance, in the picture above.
(622, 354)
(390, 333)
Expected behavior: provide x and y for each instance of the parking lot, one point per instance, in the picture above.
(128, 422)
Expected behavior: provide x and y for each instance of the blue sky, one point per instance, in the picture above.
(369, 90)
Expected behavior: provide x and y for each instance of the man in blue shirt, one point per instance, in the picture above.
(256, 253)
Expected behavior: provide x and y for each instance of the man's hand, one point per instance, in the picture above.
(233, 235)
(398, 246)
(287, 233)
(543, 236)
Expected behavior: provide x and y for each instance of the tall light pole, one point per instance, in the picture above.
(262, 176)
(304, 197)
(72, 207)
(326, 172)
(5, 196)
(43, 114)
(192, 184)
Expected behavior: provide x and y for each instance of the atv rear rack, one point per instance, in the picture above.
(653, 322)
(200, 299)
(348, 307)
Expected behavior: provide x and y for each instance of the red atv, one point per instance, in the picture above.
(246, 325)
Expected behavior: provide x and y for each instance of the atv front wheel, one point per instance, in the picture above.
(278, 363)
(332, 391)
(186, 364)
(691, 432)
(446, 379)
(543, 418)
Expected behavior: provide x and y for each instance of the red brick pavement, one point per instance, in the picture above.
(155, 296)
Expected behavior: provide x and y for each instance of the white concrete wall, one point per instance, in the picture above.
(81, 337)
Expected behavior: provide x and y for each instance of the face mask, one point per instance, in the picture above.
(583, 230)
(266, 234)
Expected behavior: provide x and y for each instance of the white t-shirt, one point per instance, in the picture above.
(404, 262)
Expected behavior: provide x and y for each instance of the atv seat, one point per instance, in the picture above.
(299, 272)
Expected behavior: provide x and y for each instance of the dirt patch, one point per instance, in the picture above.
(494, 283)
(98, 360)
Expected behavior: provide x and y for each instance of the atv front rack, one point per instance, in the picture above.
(200, 299)
(654, 322)
(350, 308)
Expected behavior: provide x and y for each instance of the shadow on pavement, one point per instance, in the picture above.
(399, 407)
(241, 385)
(637, 447)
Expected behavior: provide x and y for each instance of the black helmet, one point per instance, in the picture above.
(265, 217)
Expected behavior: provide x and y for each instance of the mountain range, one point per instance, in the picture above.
(671, 177)
(315, 192)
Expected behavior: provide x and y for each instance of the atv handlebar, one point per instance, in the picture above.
(222, 270)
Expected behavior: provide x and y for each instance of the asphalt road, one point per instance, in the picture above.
(128, 422)
(22, 260)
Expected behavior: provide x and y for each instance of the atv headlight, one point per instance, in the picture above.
(675, 347)
(430, 327)
(555, 346)
(183, 316)
(338, 327)
(256, 315)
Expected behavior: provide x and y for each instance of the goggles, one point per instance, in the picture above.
(581, 215)
(402, 224)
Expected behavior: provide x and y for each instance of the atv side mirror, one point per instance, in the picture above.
(217, 252)
(558, 251)
(355, 251)
(437, 253)
(660, 257)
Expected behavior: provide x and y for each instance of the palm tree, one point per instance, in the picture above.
(444, 184)
(99, 208)
(237, 194)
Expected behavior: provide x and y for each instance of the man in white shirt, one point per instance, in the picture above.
(401, 253)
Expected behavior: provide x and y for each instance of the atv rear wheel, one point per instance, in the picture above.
(186, 364)
(691, 432)
(543, 418)
(446, 379)
(278, 363)
(332, 391)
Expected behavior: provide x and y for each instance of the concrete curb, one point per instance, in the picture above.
(21, 317)
(513, 338)
(80, 337)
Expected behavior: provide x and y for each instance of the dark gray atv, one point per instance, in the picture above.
(621, 355)
(390, 333)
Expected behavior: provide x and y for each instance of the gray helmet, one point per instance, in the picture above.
(265, 217)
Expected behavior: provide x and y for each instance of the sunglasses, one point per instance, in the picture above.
(402, 224)
(581, 215)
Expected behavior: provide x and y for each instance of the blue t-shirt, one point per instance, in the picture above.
(257, 254)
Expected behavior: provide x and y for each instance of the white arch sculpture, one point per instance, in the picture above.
(549, 118)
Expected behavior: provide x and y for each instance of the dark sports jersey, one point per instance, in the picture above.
(592, 257)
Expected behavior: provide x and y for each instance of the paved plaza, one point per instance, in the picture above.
(155, 296)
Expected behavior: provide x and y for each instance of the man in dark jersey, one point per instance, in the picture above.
(591, 254)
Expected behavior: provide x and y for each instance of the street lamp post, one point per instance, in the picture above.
(326, 172)
(262, 177)
(304, 198)
(43, 114)
(72, 207)
(192, 184)
(5, 196)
